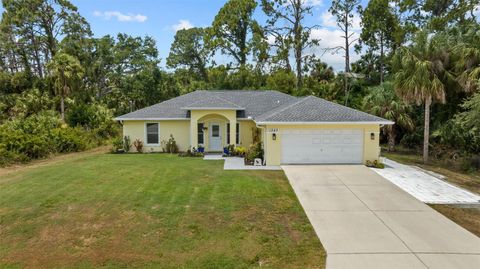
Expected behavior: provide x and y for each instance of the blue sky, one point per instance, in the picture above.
(161, 18)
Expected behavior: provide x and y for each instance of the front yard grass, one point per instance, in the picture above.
(468, 218)
(152, 211)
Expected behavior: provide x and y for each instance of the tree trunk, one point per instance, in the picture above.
(288, 66)
(299, 68)
(62, 109)
(298, 45)
(203, 70)
(298, 56)
(347, 47)
(13, 59)
(36, 53)
(381, 58)
(347, 59)
(391, 138)
(346, 89)
(426, 131)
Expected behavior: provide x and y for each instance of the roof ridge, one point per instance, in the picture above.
(213, 96)
(274, 111)
(236, 90)
(347, 107)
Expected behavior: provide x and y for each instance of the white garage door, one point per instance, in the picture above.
(322, 146)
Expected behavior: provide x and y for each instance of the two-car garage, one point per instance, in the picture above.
(317, 146)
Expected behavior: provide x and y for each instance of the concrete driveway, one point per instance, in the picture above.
(364, 221)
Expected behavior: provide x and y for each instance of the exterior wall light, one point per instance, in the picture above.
(372, 136)
(274, 136)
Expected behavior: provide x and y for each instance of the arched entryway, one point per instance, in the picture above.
(211, 127)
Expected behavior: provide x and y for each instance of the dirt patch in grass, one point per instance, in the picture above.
(468, 218)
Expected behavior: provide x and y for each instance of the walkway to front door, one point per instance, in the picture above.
(364, 221)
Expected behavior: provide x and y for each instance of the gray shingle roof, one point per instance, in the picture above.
(262, 106)
(314, 109)
(213, 102)
(254, 104)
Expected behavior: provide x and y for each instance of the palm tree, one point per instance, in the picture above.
(66, 71)
(467, 52)
(383, 102)
(419, 73)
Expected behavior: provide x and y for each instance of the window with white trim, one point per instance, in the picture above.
(200, 133)
(152, 133)
(237, 134)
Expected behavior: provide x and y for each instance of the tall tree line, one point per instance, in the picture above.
(425, 52)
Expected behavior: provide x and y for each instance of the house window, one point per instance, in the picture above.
(215, 131)
(200, 133)
(237, 134)
(152, 133)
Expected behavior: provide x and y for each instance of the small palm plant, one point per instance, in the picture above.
(383, 102)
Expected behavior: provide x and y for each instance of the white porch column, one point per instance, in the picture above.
(233, 130)
(193, 132)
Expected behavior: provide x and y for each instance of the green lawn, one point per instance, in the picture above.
(152, 211)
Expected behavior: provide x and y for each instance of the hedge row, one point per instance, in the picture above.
(40, 135)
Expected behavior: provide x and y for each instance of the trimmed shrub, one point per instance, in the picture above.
(117, 144)
(191, 153)
(138, 144)
(127, 144)
(240, 151)
(170, 146)
(254, 151)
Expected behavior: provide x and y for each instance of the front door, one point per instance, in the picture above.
(215, 141)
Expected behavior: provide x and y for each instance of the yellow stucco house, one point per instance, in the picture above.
(292, 130)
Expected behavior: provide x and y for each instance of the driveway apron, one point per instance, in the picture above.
(364, 221)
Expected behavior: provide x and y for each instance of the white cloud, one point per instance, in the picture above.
(182, 24)
(270, 39)
(129, 17)
(328, 20)
(313, 2)
(356, 20)
(331, 38)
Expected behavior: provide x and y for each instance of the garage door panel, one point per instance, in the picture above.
(322, 146)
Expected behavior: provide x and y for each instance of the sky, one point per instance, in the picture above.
(162, 18)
